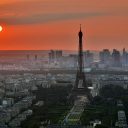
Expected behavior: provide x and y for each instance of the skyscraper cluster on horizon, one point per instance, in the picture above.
(107, 58)
(70, 60)
(114, 58)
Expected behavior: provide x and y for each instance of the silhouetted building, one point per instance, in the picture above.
(36, 57)
(105, 56)
(55, 55)
(124, 58)
(116, 58)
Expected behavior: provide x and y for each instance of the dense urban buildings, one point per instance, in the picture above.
(19, 80)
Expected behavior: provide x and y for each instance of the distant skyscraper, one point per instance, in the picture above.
(36, 57)
(116, 58)
(124, 58)
(105, 56)
(58, 54)
(55, 55)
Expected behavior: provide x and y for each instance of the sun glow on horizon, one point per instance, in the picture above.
(1, 28)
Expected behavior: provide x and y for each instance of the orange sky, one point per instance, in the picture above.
(54, 24)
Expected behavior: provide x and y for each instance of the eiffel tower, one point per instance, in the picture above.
(80, 86)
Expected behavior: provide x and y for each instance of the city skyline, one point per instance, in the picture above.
(54, 25)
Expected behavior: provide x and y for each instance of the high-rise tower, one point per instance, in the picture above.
(80, 83)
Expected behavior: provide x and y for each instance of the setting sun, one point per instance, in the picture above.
(1, 28)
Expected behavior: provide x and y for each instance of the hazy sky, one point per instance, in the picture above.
(54, 24)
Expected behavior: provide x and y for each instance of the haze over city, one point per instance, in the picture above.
(52, 24)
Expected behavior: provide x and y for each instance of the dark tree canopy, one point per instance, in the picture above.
(112, 91)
